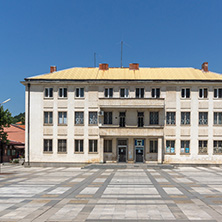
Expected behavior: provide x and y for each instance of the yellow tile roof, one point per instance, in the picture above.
(126, 74)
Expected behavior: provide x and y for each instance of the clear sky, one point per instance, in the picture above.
(66, 33)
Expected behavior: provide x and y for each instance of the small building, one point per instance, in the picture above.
(133, 114)
(16, 145)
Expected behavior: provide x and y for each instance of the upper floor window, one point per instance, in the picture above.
(47, 145)
(203, 118)
(79, 118)
(61, 146)
(62, 118)
(108, 118)
(218, 93)
(48, 118)
(122, 119)
(203, 92)
(79, 92)
(185, 146)
(217, 146)
(155, 93)
(124, 93)
(92, 118)
(62, 92)
(93, 146)
(202, 146)
(48, 92)
(108, 92)
(140, 116)
(139, 92)
(154, 118)
(185, 93)
(107, 146)
(185, 118)
(170, 118)
(78, 146)
(217, 118)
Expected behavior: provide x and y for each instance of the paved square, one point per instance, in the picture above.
(74, 194)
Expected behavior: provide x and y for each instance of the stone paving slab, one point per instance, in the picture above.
(118, 194)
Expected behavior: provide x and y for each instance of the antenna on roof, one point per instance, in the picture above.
(94, 59)
(121, 66)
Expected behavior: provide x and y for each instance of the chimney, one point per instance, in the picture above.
(103, 66)
(205, 66)
(134, 66)
(53, 69)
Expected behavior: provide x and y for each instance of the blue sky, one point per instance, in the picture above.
(156, 33)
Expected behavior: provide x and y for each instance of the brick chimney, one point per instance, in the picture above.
(103, 66)
(205, 66)
(53, 69)
(134, 66)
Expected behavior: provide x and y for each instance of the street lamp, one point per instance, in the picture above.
(7, 100)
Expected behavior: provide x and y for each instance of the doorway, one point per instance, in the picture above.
(122, 154)
(139, 154)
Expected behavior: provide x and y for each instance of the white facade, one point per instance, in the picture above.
(202, 133)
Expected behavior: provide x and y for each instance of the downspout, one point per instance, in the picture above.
(28, 124)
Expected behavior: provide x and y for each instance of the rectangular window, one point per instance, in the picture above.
(185, 146)
(155, 93)
(185, 118)
(203, 118)
(108, 92)
(154, 118)
(202, 146)
(107, 146)
(78, 146)
(122, 119)
(48, 92)
(61, 146)
(140, 116)
(203, 93)
(124, 93)
(62, 118)
(92, 118)
(217, 146)
(217, 118)
(47, 145)
(139, 92)
(48, 118)
(170, 118)
(92, 146)
(218, 93)
(153, 146)
(185, 93)
(108, 118)
(79, 92)
(170, 146)
(79, 118)
(62, 92)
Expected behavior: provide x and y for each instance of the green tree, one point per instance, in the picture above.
(5, 121)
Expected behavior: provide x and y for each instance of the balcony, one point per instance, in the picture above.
(131, 103)
(156, 131)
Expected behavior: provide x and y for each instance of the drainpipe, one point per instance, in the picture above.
(28, 124)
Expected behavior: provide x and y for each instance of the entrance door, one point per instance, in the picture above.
(139, 154)
(122, 154)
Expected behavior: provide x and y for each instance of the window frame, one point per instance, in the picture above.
(49, 143)
(126, 92)
(140, 119)
(185, 93)
(63, 141)
(171, 148)
(108, 116)
(94, 143)
(202, 141)
(94, 124)
(183, 145)
(217, 141)
(185, 122)
(202, 120)
(122, 119)
(49, 93)
(64, 93)
(218, 92)
(48, 123)
(170, 121)
(202, 93)
(141, 93)
(109, 94)
(155, 143)
(79, 142)
(79, 117)
(63, 118)
(79, 91)
(152, 122)
(218, 116)
(108, 146)
(154, 92)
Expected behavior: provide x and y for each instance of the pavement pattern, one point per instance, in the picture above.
(93, 195)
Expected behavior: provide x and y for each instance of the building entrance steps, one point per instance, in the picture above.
(127, 166)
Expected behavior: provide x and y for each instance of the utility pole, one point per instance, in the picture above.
(94, 59)
(121, 66)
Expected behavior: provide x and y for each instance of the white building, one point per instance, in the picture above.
(85, 115)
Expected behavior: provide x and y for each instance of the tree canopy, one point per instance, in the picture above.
(19, 118)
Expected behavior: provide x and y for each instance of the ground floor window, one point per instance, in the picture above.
(202, 146)
(170, 146)
(93, 146)
(78, 146)
(217, 146)
(47, 145)
(153, 146)
(61, 146)
(107, 146)
(185, 146)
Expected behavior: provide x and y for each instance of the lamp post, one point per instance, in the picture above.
(1, 151)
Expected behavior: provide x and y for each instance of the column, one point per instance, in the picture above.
(101, 150)
(160, 150)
